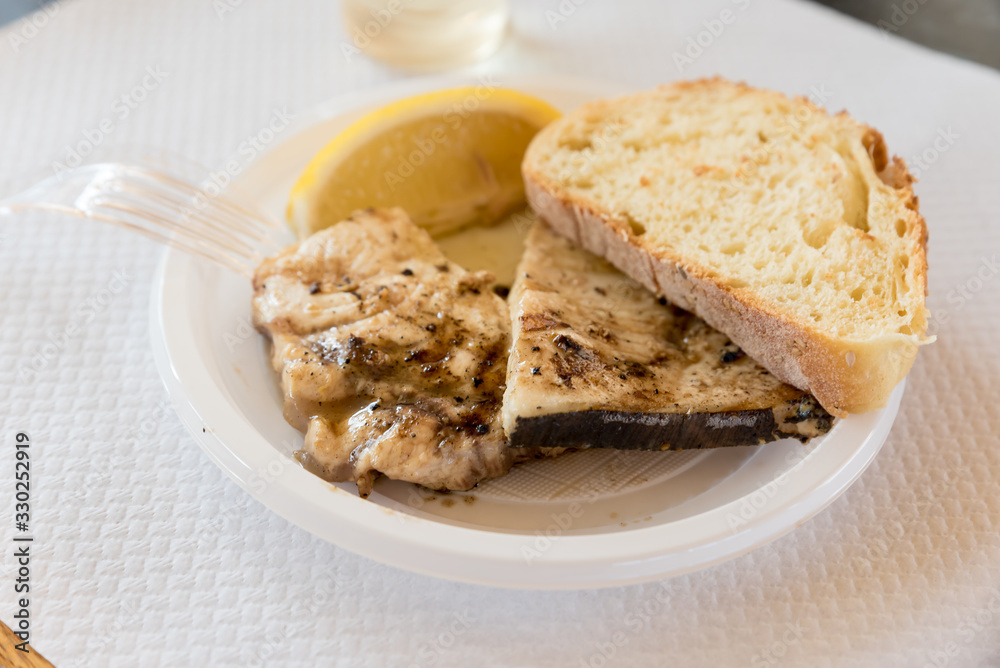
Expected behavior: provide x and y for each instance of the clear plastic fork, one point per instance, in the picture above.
(170, 209)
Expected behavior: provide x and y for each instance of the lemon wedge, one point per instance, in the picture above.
(450, 158)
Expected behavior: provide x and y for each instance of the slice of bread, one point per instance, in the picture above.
(598, 361)
(785, 227)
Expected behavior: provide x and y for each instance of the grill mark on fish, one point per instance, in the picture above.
(599, 361)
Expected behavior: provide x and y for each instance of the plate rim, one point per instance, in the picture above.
(443, 550)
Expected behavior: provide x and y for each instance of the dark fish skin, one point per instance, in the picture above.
(624, 430)
(648, 431)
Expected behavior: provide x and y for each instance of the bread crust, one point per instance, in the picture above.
(844, 376)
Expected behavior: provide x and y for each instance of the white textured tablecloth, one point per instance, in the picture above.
(147, 555)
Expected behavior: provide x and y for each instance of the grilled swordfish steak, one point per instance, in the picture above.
(598, 361)
(392, 359)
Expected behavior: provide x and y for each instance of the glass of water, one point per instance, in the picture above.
(425, 34)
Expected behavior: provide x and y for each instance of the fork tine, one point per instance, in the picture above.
(165, 212)
(218, 219)
(150, 216)
(177, 195)
(222, 202)
(146, 194)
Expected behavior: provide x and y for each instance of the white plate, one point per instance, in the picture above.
(590, 519)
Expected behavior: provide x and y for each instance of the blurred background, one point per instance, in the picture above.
(966, 28)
